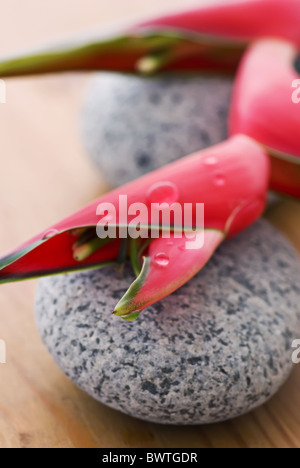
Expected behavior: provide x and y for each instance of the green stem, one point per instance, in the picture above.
(145, 51)
(84, 251)
(153, 63)
(134, 256)
(122, 256)
(144, 247)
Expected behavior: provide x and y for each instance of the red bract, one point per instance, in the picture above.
(231, 179)
(263, 108)
(206, 38)
(240, 21)
(168, 265)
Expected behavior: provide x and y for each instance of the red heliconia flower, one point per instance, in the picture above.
(264, 108)
(208, 37)
(230, 179)
(239, 20)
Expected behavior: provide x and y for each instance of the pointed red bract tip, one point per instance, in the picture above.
(170, 264)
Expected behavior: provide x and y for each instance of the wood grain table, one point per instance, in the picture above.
(44, 176)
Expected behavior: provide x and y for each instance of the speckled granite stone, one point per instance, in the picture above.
(215, 349)
(132, 125)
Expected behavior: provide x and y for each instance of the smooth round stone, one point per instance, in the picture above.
(133, 125)
(217, 348)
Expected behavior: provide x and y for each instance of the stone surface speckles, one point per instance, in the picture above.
(217, 348)
(133, 125)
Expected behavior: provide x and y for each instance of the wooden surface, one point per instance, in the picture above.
(44, 176)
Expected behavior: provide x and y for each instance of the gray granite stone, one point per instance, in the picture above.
(214, 350)
(132, 125)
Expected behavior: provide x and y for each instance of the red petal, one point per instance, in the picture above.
(263, 108)
(53, 256)
(239, 20)
(231, 180)
(170, 265)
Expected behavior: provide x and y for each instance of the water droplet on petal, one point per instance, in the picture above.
(219, 180)
(161, 260)
(211, 161)
(50, 233)
(163, 192)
